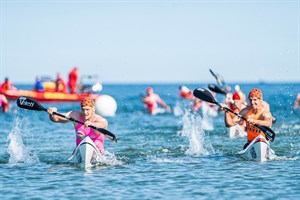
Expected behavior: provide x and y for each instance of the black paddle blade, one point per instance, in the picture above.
(217, 89)
(108, 134)
(213, 73)
(268, 132)
(29, 103)
(205, 95)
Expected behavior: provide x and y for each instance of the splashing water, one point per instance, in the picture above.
(177, 110)
(181, 106)
(192, 129)
(208, 113)
(109, 159)
(16, 148)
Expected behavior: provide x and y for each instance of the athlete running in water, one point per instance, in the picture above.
(151, 101)
(89, 118)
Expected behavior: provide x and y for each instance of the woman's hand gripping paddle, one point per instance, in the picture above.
(31, 104)
(205, 95)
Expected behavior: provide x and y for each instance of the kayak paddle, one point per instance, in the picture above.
(205, 95)
(215, 88)
(218, 78)
(32, 104)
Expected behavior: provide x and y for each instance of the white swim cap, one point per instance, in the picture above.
(237, 88)
(184, 89)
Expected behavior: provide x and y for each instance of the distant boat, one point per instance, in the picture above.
(50, 95)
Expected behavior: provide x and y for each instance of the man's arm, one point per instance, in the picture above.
(161, 102)
(56, 118)
(296, 103)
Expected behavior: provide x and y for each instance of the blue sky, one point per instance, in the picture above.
(151, 41)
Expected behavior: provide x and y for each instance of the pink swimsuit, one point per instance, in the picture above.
(82, 132)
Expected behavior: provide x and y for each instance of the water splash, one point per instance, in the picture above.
(166, 160)
(192, 129)
(283, 158)
(109, 159)
(208, 113)
(18, 152)
(177, 110)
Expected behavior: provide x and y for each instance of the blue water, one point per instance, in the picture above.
(165, 156)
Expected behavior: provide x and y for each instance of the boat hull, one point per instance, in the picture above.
(258, 150)
(86, 154)
(47, 96)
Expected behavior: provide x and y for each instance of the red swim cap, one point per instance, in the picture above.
(236, 96)
(255, 93)
(87, 101)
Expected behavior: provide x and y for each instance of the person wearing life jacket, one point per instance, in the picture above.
(151, 101)
(255, 114)
(4, 104)
(88, 116)
(38, 86)
(60, 84)
(266, 107)
(73, 78)
(7, 85)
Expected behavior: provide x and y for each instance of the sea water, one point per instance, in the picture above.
(176, 155)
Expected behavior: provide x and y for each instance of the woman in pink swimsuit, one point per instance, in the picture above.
(88, 116)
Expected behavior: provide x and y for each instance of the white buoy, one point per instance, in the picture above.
(106, 106)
